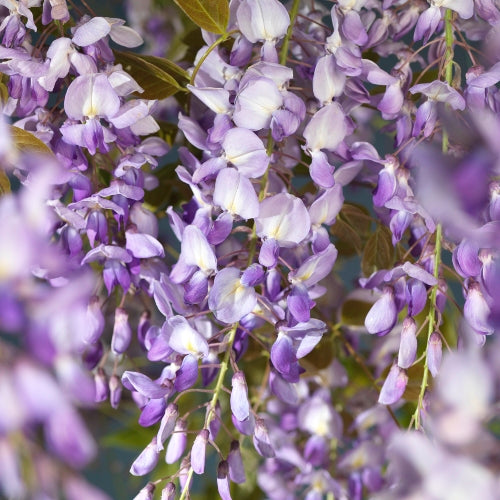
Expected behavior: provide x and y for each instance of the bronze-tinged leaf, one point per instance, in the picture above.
(170, 191)
(26, 142)
(4, 92)
(348, 240)
(352, 227)
(210, 15)
(320, 357)
(358, 217)
(4, 183)
(156, 82)
(168, 131)
(353, 312)
(379, 252)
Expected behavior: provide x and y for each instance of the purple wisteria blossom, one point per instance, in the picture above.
(264, 253)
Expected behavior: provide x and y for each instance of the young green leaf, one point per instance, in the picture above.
(174, 70)
(151, 75)
(210, 15)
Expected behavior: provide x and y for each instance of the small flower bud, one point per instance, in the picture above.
(383, 315)
(168, 493)
(261, 439)
(143, 327)
(184, 475)
(177, 443)
(215, 423)
(235, 462)
(239, 397)
(167, 424)
(394, 386)
(434, 353)
(101, 386)
(223, 480)
(92, 355)
(408, 343)
(122, 333)
(198, 452)
(146, 493)
(95, 321)
(146, 461)
(115, 391)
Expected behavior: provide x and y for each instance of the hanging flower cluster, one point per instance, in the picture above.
(213, 297)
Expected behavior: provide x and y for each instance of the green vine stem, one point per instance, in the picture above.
(449, 40)
(215, 398)
(286, 41)
(270, 145)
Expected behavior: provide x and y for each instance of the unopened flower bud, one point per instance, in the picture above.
(168, 493)
(235, 462)
(394, 386)
(198, 452)
(408, 343)
(434, 353)
(223, 480)
(101, 386)
(95, 321)
(261, 439)
(122, 333)
(143, 327)
(239, 397)
(146, 493)
(382, 316)
(215, 423)
(146, 461)
(167, 424)
(177, 443)
(115, 391)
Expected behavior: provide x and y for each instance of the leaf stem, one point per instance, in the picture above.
(217, 42)
(431, 317)
(286, 41)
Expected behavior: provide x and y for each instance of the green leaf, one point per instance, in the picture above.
(167, 131)
(4, 183)
(353, 312)
(150, 75)
(352, 227)
(320, 357)
(179, 74)
(348, 240)
(210, 15)
(170, 191)
(26, 142)
(379, 252)
(358, 217)
(131, 438)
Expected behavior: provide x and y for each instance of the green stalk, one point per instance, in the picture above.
(217, 42)
(270, 145)
(431, 321)
(284, 48)
(448, 71)
(449, 40)
(215, 398)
